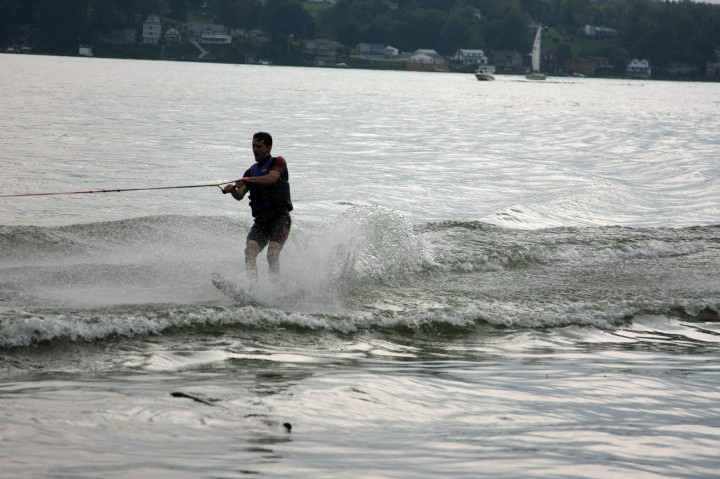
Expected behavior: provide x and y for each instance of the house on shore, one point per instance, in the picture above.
(599, 32)
(590, 66)
(639, 68)
(509, 61)
(172, 36)
(207, 34)
(426, 60)
(324, 53)
(375, 51)
(371, 51)
(151, 29)
(469, 56)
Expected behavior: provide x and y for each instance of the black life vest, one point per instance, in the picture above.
(269, 198)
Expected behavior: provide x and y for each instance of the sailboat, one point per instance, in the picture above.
(534, 73)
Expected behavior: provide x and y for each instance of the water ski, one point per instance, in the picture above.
(234, 292)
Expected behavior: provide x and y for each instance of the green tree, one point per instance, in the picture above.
(563, 53)
(577, 13)
(458, 32)
(13, 14)
(178, 9)
(420, 28)
(507, 29)
(62, 25)
(442, 5)
(283, 18)
(240, 13)
(534, 8)
(135, 11)
(612, 13)
(104, 15)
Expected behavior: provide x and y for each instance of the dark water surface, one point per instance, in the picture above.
(505, 280)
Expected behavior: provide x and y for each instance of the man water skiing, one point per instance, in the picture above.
(267, 182)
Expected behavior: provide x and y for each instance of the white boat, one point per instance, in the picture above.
(534, 73)
(483, 73)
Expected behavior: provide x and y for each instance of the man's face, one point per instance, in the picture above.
(260, 150)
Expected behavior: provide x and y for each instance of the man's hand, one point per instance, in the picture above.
(228, 188)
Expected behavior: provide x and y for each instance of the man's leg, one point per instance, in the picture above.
(273, 256)
(281, 229)
(252, 250)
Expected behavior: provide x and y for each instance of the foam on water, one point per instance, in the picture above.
(366, 269)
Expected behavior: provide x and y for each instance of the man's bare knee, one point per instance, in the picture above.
(252, 249)
(273, 256)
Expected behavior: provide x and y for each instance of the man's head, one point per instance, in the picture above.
(261, 145)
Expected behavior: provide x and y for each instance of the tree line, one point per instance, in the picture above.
(661, 31)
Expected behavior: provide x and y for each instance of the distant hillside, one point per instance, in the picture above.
(664, 32)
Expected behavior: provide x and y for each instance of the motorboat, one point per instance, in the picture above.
(483, 73)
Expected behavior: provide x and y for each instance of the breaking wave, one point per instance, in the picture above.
(368, 269)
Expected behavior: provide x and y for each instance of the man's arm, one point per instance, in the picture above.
(240, 188)
(272, 177)
(269, 179)
(237, 190)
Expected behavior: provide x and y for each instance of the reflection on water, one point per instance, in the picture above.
(481, 280)
(432, 146)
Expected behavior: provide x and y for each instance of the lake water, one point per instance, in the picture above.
(483, 279)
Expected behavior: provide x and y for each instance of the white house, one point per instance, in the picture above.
(425, 60)
(207, 34)
(639, 68)
(172, 35)
(376, 51)
(468, 56)
(152, 29)
(216, 39)
(600, 32)
(427, 56)
(391, 51)
(422, 58)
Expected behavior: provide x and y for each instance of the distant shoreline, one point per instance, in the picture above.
(368, 65)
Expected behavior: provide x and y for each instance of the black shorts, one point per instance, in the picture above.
(270, 228)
